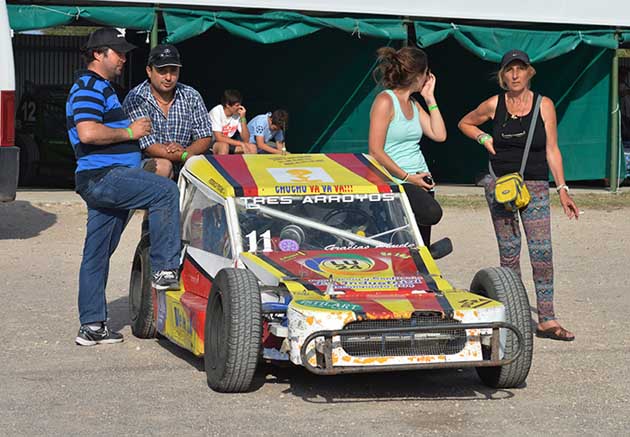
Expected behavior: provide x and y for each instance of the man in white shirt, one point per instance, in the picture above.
(229, 125)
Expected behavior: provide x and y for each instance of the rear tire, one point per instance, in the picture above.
(141, 305)
(504, 285)
(233, 331)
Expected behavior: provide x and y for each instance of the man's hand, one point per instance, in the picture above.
(141, 127)
(175, 148)
(249, 147)
(241, 111)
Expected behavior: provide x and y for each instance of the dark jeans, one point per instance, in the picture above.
(426, 209)
(109, 199)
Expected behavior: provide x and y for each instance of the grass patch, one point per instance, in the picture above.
(603, 201)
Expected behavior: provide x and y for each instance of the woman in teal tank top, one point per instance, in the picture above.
(397, 123)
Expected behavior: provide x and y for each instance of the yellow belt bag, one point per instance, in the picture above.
(510, 189)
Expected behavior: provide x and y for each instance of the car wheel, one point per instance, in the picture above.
(233, 331)
(141, 303)
(505, 286)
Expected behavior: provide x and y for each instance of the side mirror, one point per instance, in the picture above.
(441, 248)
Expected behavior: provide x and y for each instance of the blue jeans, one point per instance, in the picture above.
(109, 200)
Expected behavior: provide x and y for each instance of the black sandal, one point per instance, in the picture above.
(555, 333)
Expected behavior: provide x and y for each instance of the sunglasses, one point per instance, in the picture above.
(519, 134)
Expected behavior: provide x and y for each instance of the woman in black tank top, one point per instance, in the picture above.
(511, 113)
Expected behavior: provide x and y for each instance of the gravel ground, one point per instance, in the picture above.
(52, 387)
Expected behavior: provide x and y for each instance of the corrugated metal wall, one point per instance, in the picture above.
(47, 60)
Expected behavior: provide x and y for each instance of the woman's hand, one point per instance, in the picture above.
(569, 206)
(428, 89)
(418, 179)
(489, 145)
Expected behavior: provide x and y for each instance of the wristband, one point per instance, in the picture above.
(405, 178)
(184, 156)
(243, 120)
(433, 107)
(130, 132)
(562, 187)
(482, 138)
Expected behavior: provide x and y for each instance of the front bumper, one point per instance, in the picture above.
(320, 359)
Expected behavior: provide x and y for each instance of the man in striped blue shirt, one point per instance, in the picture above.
(110, 180)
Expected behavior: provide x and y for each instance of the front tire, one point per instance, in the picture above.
(141, 304)
(504, 285)
(233, 331)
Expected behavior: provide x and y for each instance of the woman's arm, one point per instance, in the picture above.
(432, 123)
(554, 157)
(470, 122)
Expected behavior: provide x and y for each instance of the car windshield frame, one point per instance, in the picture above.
(272, 207)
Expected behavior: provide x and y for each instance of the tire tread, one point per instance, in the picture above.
(507, 288)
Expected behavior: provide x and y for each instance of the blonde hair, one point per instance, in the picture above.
(501, 72)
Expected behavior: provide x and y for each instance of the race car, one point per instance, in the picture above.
(316, 260)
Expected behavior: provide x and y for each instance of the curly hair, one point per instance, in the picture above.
(399, 68)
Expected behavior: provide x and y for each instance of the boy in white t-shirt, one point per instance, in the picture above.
(229, 125)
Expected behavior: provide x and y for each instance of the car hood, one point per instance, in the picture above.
(379, 282)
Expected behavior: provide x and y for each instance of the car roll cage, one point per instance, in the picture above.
(330, 369)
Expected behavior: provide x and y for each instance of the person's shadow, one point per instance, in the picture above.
(20, 220)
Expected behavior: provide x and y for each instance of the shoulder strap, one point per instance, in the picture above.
(528, 143)
(530, 134)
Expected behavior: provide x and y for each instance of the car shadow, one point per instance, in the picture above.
(118, 310)
(435, 384)
(21, 220)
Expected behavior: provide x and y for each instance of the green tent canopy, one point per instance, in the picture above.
(273, 27)
(33, 17)
(320, 69)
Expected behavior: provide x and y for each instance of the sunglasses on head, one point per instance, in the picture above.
(520, 133)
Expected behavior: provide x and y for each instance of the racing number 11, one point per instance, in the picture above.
(253, 241)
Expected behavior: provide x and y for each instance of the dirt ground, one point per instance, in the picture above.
(50, 386)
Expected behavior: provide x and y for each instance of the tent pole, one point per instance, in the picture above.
(614, 125)
(154, 31)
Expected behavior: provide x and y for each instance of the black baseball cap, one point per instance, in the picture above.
(515, 55)
(163, 55)
(109, 37)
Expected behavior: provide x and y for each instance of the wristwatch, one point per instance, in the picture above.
(562, 187)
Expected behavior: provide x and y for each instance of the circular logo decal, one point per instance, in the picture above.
(345, 264)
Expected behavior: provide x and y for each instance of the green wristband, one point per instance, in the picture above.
(483, 138)
(243, 120)
(433, 107)
(184, 156)
(130, 132)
